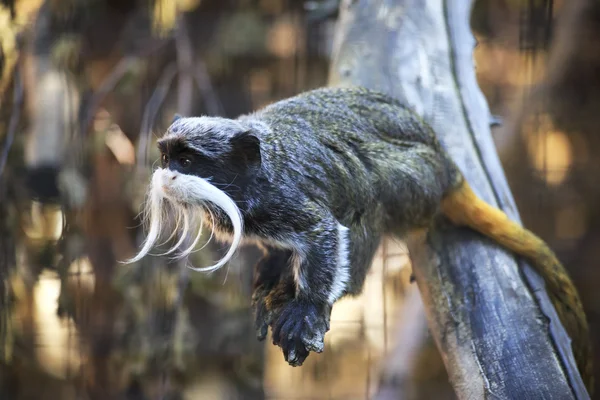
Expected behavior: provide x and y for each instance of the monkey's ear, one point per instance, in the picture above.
(246, 149)
(176, 117)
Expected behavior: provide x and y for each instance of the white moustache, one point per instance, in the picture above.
(184, 195)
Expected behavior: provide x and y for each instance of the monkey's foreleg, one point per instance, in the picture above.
(320, 266)
(270, 269)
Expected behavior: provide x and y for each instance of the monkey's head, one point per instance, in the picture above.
(203, 160)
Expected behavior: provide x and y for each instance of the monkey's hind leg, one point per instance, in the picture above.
(365, 237)
(268, 272)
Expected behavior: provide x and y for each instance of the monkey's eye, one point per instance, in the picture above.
(185, 162)
(164, 160)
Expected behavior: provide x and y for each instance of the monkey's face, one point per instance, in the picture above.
(202, 161)
(216, 149)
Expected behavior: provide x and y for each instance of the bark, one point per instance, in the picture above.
(498, 332)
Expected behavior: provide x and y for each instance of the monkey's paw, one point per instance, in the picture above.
(299, 329)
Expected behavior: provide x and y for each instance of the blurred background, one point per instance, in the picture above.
(86, 87)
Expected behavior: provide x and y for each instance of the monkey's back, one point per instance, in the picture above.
(353, 146)
(350, 114)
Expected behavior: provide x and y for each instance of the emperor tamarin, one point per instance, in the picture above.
(317, 180)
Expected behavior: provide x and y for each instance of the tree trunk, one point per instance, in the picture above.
(496, 328)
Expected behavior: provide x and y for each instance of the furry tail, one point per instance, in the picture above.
(463, 207)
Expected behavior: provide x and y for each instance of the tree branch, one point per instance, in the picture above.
(151, 110)
(496, 329)
(185, 61)
(107, 86)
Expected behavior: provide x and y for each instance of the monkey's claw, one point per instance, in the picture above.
(299, 329)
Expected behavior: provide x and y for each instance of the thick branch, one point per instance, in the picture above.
(498, 334)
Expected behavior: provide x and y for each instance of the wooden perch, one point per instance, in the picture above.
(498, 332)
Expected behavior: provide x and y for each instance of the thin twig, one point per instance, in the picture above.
(151, 109)
(185, 59)
(185, 55)
(122, 67)
(211, 100)
(14, 119)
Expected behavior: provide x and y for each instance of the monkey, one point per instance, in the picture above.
(317, 180)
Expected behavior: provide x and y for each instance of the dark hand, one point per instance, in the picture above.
(299, 328)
